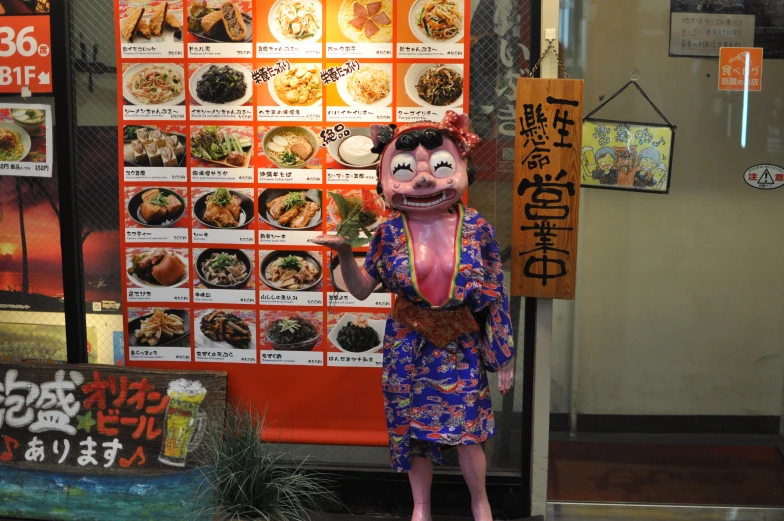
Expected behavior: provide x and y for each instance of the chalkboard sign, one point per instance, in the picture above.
(97, 419)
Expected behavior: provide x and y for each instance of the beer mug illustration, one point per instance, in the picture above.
(183, 423)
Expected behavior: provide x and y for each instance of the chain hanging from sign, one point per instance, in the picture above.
(627, 155)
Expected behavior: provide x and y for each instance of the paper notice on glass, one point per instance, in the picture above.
(26, 134)
(693, 34)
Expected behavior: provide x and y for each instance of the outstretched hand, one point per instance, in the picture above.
(506, 376)
(334, 242)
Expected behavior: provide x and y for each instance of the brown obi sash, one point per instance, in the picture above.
(439, 326)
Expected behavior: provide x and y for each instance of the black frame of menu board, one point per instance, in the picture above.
(360, 489)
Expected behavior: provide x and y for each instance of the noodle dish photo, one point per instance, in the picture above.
(296, 21)
(225, 84)
(154, 84)
(14, 142)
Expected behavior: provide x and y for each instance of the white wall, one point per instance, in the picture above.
(681, 309)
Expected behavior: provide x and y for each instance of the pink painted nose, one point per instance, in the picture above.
(424, 179)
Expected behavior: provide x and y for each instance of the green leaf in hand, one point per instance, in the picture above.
(349, 226)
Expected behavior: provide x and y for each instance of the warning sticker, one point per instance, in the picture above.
(764, 177)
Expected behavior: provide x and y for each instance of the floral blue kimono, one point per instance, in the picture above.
(439, 396)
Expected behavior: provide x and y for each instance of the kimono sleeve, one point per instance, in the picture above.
(493, 303)
(374, 261)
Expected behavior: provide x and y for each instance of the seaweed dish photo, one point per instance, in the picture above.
(440, 85)
(293, 333)
(221, 84)
(219, 22)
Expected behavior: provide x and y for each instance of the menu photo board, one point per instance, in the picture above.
(238, 123)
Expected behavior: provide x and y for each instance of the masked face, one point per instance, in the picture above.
(423, 172)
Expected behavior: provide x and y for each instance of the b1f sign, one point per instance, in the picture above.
(25, 54)
(764, 177)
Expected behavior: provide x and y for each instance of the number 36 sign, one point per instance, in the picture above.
(25, 54)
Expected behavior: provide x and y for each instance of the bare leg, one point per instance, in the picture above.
(421, 478)
(474, 467)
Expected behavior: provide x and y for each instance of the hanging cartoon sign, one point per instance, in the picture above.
(625, 155)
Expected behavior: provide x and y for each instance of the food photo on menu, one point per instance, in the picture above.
(157, 267)
(290, 208)
(223, 21)
(156, 207)
(158, 327)
(23, 134)
(222, 208)
(432, 84)
(371, 85)
(225, 329)
(437, 21)
(221, 84)
(221, 147)
(154, 146)
(364, 21)
(353, 149)
(296, 21)
(290, 146)
(153, 22)
(223, 268)
(299, 86)
(153, 84)
(365, 206)
(291, 271)
(290, 330)
(357, 332)
(16, 7)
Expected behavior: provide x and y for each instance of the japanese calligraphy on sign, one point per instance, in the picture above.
(105, 419)
(547, 187)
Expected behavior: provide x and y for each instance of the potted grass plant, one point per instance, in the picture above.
(247, 479)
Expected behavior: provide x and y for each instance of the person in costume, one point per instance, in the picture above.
(450, 322)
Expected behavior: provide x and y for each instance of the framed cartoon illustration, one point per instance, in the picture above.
(626, 156)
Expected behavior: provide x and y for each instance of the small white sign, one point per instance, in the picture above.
(154, 173)
(291, 298)
(355, 359)
(292, 358)
(703, 34)
(764, 177)
(300, 176)
(167, 235)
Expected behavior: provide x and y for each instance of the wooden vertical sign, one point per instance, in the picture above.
(547, 187)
